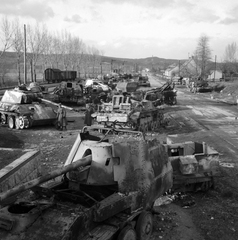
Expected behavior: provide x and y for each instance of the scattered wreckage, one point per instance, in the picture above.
(107, 189)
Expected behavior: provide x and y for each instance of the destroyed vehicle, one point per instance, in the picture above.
(143, 81)
(22, 109)
(195, 165)
(170, 97)
(94, 84)
(121, 113)
(106, 190)
(199, 85)
(70, 92)
(128, 86)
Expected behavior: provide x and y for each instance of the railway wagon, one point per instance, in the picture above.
(53, 75)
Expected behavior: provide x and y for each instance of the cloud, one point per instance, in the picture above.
(148, 3)
(204, 15)
(229, 20)
(74, 18)
(26, 8)
(232, 17)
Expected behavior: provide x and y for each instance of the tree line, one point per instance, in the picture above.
(46, 48)
(228, 64)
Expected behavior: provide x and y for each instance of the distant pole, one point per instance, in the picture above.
(101, 70)
(179, 68)
(111, 65)
(25, 68)
(215, 67)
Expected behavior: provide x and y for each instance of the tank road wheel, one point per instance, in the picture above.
(17, 123)
(11, 122)
(26, 122)
(3, 118)
(21, 122)
(127, 233)
(144, 226)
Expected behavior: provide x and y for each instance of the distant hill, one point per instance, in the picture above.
(150, 62)
(9, 59)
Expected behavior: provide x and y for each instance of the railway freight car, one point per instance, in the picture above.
(53, 75)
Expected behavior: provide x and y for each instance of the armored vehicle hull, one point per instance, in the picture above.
(108, 189)
(22, 109)
(142, 116)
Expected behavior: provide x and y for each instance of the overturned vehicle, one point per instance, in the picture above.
(106, 190)
(23, 109)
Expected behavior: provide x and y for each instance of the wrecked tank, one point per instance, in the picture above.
(106, 190)
(23, 109)
(143, 81)
(195, 166)
(70, 92)
(127, 86)
(121, 113)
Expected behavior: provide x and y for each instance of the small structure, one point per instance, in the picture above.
(215, 75)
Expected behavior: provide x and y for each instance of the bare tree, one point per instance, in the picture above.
(36, 46)
(230, 59)
(81, 49)
(17, 45)
(5, 44)
(203, 54)
(66, 49)
(56, 51)
(6, 32)
(47, 50)
(3, 72)
(94, 59)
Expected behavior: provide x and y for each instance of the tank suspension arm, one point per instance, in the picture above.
(28, 185)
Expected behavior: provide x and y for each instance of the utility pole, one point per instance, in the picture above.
(101, 69)
(215, 67)
(179, 68)
(111, 65)
(25, 68)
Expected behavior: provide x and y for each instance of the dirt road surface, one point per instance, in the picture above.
(211, 215)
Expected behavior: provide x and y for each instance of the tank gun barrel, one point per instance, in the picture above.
(56, 104)
(28, 185)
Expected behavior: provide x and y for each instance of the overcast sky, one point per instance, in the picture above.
(136, 28)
